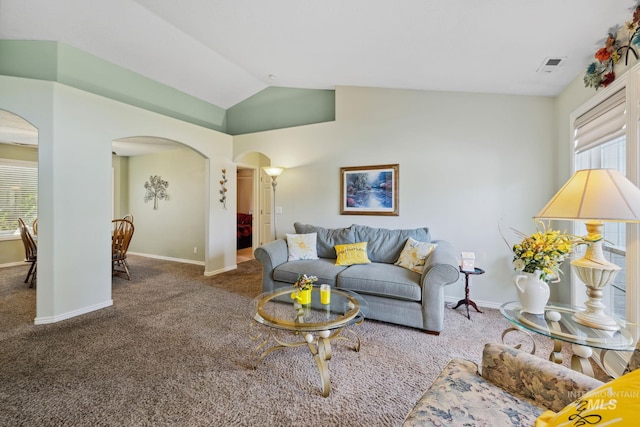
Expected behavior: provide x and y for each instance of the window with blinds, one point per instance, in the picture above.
(600, 142)
(18, 195)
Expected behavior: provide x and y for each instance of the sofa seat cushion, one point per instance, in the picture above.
(461, 397)
(386, 280)
(324, 269)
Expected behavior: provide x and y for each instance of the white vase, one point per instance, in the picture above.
(533, 292)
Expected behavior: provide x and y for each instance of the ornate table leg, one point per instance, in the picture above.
(518, 346)
(556, 354)
(268, 337)
(580, 359)
(321, 350)
(319, 347)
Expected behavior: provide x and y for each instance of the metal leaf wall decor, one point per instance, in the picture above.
(156, 190)
(223, 189)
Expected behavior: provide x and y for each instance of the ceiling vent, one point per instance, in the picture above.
(549, 65)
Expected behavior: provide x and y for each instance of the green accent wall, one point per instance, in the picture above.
(278, 107)
(272, 108)
(29, 59)
(47, 60)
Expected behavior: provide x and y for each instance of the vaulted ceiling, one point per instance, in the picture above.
(225, 51)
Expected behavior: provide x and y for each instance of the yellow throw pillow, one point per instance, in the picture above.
(414, 255)
(615, 403)
(353, 253)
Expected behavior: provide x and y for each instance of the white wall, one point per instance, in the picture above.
(468, 163)
(74, 207)
(177, 226)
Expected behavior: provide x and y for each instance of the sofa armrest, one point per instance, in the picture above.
(270, 256)
(440, 270)
(442, 266)
(549, 384)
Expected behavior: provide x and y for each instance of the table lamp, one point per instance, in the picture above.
(595, 196)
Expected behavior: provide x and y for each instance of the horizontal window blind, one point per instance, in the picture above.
(18, 194)
(604, 122)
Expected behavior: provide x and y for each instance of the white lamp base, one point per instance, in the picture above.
(596, 273)
(596, 320)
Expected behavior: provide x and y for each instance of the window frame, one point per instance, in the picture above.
(630, 83)
(24, 164)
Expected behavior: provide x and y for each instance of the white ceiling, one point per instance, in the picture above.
(225, 51)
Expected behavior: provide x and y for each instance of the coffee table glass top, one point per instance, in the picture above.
(562, 326)
(278, 310)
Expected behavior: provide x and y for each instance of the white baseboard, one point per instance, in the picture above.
(479, 303)
(187, 261)
(221, 270)
(64, 316)
(13, 264)
(166, 258)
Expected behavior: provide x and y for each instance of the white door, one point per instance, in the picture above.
(265, 208)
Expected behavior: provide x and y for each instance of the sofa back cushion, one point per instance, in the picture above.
(327, 238)
(384, 245)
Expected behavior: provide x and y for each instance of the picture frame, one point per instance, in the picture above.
(369, 190)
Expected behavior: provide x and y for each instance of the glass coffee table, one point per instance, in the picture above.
(314, 325)
(558, 324)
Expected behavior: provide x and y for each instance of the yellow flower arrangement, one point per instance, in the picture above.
(544, 250)
(305, 282)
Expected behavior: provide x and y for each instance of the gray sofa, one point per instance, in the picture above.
(395, 294)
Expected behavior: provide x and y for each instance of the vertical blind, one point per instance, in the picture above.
(18, 194)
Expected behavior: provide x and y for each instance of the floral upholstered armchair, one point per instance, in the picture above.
(514, 389)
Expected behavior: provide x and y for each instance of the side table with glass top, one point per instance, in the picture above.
(558, 324)
(314, 325)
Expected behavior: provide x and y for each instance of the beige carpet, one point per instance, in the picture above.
(174, 350)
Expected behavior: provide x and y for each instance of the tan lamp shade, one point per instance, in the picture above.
(595, 194)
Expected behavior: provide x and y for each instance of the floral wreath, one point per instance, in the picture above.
(600, 73)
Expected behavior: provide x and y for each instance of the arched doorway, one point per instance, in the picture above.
(18, 188)
(173, 228)
(75, 133)
(262, 190)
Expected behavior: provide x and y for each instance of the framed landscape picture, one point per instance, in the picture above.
(369, 190)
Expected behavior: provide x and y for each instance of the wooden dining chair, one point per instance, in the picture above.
(128, 217)
(30, 252)
(122, 232)
(34, 227)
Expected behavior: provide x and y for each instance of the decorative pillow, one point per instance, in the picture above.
(328, 238)
(414, 255)
(614, 403)
(302, 246)
(352, 253)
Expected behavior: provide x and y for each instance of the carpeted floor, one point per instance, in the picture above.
(174, 350)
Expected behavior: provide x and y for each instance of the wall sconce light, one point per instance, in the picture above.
(274, 172)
